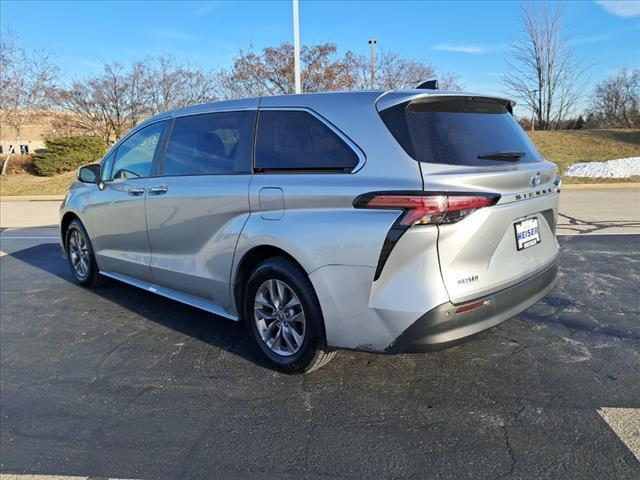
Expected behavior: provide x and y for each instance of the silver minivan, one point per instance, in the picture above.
(386, 221)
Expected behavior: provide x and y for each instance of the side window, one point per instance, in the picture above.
(135, 155)
(105, 164)
(213, 143)
(294, 140)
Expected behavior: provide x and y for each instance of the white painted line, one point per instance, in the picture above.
(11, 476)
(2, 237)
(595, 234)
(625, 422)
(15, 476)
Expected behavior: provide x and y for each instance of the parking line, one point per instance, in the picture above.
(2, 237)
(16, 476)
(625, 422)
(579, 234)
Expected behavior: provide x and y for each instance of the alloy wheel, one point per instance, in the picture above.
(79, 253)
(279, 317)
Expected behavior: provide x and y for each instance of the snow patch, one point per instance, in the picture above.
(621, 168)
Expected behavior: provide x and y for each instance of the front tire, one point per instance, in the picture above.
(284, 317)
(80, 257)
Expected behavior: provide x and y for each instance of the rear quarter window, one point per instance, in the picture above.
(458, 131)
(297, 140)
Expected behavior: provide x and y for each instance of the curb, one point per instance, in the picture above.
(601, 186)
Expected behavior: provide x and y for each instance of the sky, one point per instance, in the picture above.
(470, 39)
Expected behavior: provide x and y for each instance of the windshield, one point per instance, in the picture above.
(459, 131)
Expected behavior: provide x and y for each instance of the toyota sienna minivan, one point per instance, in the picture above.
(385, 221)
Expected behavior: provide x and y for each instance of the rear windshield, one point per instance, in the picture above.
(458, 131)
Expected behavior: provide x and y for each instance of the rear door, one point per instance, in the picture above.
(473, 144)
(199, 203)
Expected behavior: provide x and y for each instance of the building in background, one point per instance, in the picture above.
(42, 125)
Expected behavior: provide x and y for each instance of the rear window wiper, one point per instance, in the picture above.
(506, 156)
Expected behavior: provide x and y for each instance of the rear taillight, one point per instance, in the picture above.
(421, 208)
(427, 208)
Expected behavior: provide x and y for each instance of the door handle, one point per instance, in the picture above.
(136, 191)
(159, 190)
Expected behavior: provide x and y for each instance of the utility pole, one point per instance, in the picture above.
(296, 46)
(373, 42)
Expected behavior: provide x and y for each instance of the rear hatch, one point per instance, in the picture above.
(473, 144)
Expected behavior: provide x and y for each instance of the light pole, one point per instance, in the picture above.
(296, 46)
(373, 42)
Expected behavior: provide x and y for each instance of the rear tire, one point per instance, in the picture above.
(284, 317)
(80, 257)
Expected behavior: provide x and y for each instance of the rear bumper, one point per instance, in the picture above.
(442, 327)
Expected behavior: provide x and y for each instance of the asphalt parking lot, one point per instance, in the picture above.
(116, 382)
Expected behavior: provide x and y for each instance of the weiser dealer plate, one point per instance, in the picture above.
(527, 233)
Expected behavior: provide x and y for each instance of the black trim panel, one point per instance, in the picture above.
(442, 327)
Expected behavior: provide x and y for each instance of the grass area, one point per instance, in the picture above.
(25, 184)
(564, 147)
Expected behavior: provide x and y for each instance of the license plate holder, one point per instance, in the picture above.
(527, 233)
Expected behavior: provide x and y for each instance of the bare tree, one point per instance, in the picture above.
(102, 105)
(450, 81)
(121, 97)
(544, 72)
(391, 71)
(26, 82)
(114, 101)
(616, 100)
(82, 113)
(173, 84)
(272, 72)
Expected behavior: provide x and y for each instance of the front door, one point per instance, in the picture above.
(117, 211)
(198, 204)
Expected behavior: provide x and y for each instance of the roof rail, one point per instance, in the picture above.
(428, 85)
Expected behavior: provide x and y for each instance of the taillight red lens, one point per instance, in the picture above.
(428, 208)
(418, 209)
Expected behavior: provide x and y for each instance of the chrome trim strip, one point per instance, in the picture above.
(197, 302)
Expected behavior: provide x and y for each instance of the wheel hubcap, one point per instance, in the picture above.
(279, 317)
(79, 253)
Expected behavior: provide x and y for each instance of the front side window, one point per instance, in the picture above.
(134, 156)
(105, 164)
(296, 140)
(214, 143)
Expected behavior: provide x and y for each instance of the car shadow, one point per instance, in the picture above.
(579, 225)
(203, 326)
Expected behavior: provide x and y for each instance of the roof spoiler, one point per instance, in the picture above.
(392, 98)
(428, 85)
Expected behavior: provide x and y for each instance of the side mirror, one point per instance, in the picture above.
(89, 173)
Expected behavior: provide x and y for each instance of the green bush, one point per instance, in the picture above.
(64, 154)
